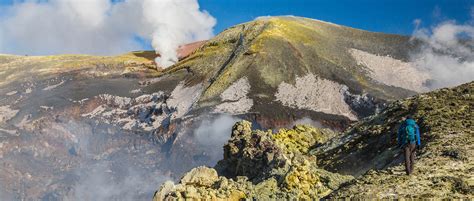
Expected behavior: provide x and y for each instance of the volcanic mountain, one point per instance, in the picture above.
(68, 120)
(274, 67)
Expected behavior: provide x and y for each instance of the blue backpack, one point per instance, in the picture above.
(411, 132)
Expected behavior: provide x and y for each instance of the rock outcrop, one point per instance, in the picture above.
(261, 165)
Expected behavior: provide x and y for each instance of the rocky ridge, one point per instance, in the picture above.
(261, 165)
(282, 165)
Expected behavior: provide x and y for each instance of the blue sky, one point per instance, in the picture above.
(389, 16)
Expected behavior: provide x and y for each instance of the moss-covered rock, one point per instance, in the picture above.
(262, 165)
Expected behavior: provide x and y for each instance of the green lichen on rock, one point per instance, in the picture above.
(445, 162)
(261, 165)
(300, 139)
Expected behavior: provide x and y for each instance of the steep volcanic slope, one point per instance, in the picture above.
(280, 55)
(62, 114)
(282, 165)
(445, 164)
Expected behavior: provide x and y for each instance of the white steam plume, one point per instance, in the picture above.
(448, 53)
(123, 174)
(98, 182)
(41, 27)
(3, 194)
(212, 134)
(176, 23)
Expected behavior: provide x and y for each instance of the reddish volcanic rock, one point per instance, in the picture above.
(185, 50)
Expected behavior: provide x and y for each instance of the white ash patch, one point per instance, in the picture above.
(237, 90)
(151, 81)
(6, 113)
(25, 123)
(146, 112)
(149, 152)
(46, 108)
(96, 112)
(2, 149)
(183, 98)
(238, 107)
(10, 132)
(117, 101)
(317, 94)
(11, 93)
(82, 101)
(28, 90)
(235, 100)
(393, 72)
(136, 91)
(51, 87)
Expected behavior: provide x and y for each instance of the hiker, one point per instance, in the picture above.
(408, 139)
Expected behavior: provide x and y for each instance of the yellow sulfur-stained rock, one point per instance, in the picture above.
(200, 176)
(261, 165)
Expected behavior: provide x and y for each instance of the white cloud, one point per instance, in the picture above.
(447, 54)
(101, 27)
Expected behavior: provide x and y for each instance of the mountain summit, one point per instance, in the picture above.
(280, 65)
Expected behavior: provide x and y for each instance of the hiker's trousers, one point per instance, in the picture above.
(409, 157)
